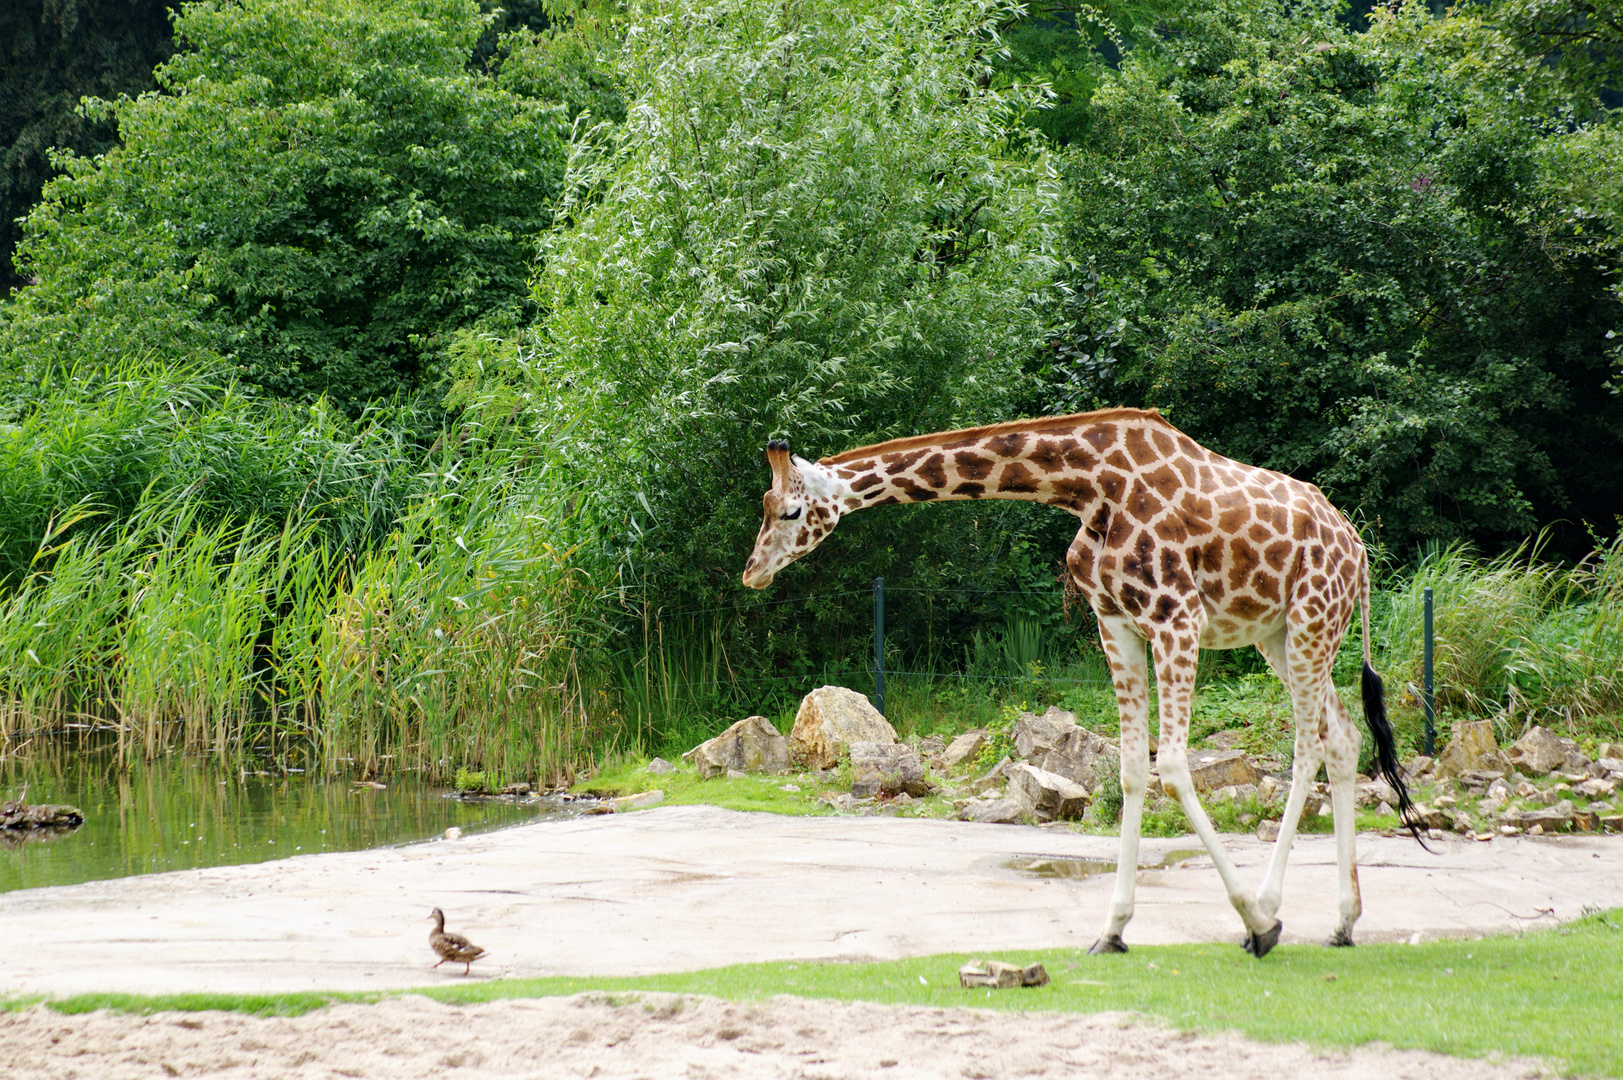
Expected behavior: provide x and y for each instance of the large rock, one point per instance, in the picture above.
(890, 768)
(991, 811)
(751, 745)
(965, 747)
(1473, 748)
(830, 719)
(1046, 796)
(1551, 818)
(1213, 769)
(1541, 751)
(1055, 742)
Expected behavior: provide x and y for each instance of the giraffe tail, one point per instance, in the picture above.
(1386, 751)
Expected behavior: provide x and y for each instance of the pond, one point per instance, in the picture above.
(178, 812)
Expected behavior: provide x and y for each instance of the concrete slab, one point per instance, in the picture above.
(679, 888)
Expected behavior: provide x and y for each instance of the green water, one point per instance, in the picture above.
(180, 812)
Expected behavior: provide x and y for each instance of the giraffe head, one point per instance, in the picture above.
(798, 511)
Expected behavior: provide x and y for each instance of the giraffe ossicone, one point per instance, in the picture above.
(1179, 547)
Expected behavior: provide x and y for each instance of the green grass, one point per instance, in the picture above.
(1553, 994)
(684, 787)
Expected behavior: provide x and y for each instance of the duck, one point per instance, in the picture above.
(453, 947)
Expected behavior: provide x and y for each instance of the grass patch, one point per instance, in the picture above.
(684, 787)
(294, 1004)
(1552, 994)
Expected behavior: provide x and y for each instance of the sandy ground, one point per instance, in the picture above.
(681, 888)
(660, 1036)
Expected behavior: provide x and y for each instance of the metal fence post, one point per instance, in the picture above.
(879, 644)
(1430, 699)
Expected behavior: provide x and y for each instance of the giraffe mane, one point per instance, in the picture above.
(1040, 424)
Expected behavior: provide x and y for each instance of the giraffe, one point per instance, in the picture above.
(1179, 548)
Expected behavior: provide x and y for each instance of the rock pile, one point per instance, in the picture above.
(1541, 784)
(1056, 768)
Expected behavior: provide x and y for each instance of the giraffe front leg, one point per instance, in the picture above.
(1175, 659)
(1124, 649)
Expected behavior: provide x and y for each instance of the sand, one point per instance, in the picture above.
(658, 1035)
(682, 888)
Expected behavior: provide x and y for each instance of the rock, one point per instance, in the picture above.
(1597, 789)
(1416, 765)
(966, 747)
(1056, 743)
(1473, 748)
(1481, 778)
(1271, 789)
(1585, 820)
(1431, 818)
(1212, 769)
(751, 745)
(997, 975)
(1612, 765)
(1374, 792)
(737, 774)
(453, 833)
(843, 801)
(17, 814)
(1541, 751)
(1268, 830)
(995, 777)
(640, 801)
(991, 811)
(659, 767)
(1551, 818)
(1612, 823)
(888, 768)
(931, 745)
(1046, 796)
(830, 719)
(1385, 809)
(1032, 732)
(1498, 790)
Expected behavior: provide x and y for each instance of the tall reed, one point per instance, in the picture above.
(463, 640)
(1527, 640)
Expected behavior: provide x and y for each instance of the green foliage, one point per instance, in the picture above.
(806, 226)
(1317, 251)
(320, 195)
(97, 444)
(52, 53)
(1529, 641)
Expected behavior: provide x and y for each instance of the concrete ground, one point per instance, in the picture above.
(680, 888)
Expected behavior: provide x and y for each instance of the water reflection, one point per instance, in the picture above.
(180, 812)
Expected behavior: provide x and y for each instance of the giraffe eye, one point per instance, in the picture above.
(792, 515)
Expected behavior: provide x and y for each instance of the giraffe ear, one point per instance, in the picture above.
(783, 470)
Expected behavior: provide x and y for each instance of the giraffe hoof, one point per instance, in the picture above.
(1259, 944)
(1341, 939)
(1111, 944)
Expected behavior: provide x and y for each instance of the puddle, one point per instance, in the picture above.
(1064, 866)
(181, 812)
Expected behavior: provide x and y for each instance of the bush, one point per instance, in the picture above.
(319, 195)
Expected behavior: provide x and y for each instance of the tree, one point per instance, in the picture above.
(54, 53)
(807, 226)
(319, 196)
(1336, 255)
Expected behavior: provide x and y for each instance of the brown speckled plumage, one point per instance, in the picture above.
(453, 947)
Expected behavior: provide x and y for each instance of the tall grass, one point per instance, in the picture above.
(1516, 637)
(461, 641)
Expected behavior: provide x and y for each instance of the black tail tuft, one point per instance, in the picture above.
(1386, 751)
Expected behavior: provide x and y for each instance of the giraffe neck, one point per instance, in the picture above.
(1054, 467)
